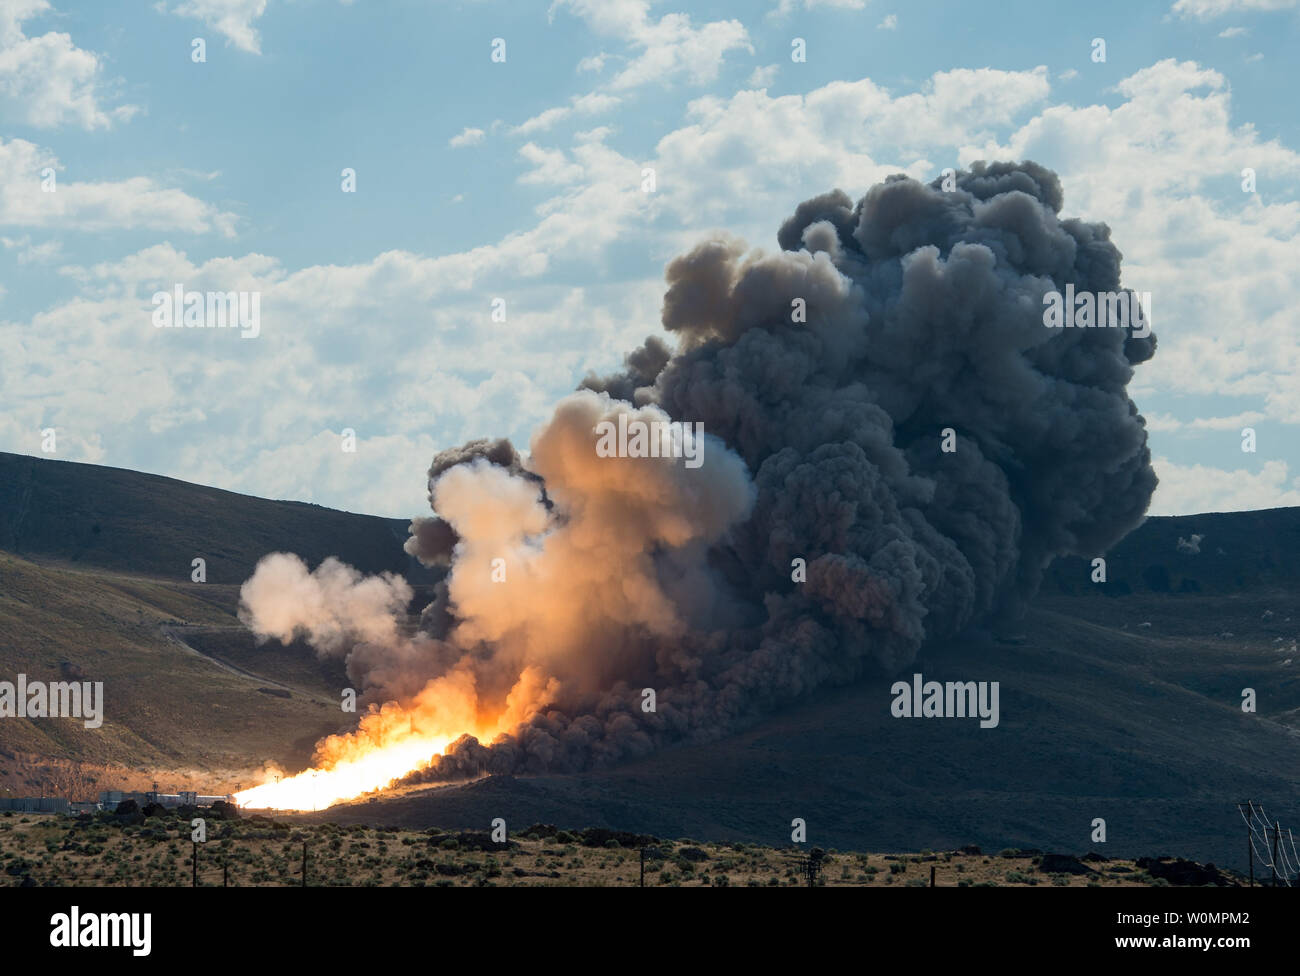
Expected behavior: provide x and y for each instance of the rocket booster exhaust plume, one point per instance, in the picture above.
(827, 532)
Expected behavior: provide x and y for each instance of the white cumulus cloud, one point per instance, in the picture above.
(46, 80)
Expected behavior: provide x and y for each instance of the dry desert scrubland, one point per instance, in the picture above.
(133, 849)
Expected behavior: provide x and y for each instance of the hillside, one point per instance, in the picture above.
(147, 525)
(1215, 553)
(166, 706)
(1122, 702)
(95, 567)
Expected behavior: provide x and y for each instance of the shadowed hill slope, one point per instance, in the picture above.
(1215, 552)
(129, 522)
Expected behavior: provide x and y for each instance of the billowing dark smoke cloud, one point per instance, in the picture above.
(640, 367)
(924, 311)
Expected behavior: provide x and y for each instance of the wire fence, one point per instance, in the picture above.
(227, 866)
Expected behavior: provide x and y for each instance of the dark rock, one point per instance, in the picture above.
(1062, 864)
(1178, 871)
(599, 836)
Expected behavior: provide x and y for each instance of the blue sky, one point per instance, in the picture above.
(521, 180)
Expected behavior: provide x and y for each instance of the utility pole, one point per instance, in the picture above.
(813, 865)
(1292, 836)
(1277, 829)
(304, 864)
(931, 875)
(1250, 845)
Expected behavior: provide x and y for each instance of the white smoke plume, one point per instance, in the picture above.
(333, 607)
